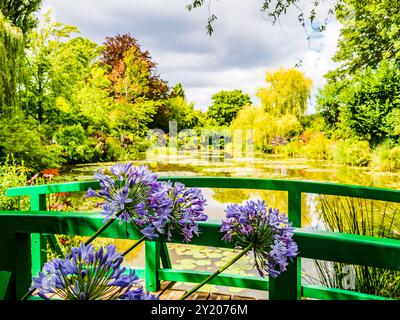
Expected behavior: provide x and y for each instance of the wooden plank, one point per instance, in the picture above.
(218, 296)
(163, 286)
(242, 298)
(172, 294)
(198, 296)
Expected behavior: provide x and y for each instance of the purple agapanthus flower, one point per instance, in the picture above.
(132, 193)
(155, 207)
(86, 274)
(268, 231)
(187, 211)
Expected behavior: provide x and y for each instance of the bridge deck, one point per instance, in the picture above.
(166, 293)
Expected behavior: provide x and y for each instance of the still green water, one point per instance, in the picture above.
(203, 258)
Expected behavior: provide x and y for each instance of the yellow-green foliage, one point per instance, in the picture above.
(287, 91)
(265, 125)
(292, 149)
(318, 148)
(352, 152)
(386, 159)
(10, 48)
(12, 175)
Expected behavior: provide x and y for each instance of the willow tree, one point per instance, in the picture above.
(286, 92)
(11, 45)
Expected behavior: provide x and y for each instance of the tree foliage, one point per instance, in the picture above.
(370, 100)
(361, 95)
(226, 104)
(274, 9)
(10, 52)
(266, 127)
(178, 91)
(55, 66)
(287, 91)
(132, 72)
(370, 34)
(21, 13)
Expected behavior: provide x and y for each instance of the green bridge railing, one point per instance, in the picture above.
(24, 237)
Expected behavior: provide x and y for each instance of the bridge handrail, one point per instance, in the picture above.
(313, 244)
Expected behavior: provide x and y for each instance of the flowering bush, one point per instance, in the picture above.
(86, 274)
(267, 231)
(155, 207)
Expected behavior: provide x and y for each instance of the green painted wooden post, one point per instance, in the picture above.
(288, 285)
(165, 259)
(7, 262)
(39, 243)
(16, 260)
(5, 285)
(23, 264)
(152, 252)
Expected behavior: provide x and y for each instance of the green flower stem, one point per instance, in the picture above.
(28, 294)
(220, 270)
(133, 246)
(104, 227)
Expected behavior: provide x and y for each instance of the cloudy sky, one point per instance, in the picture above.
(243, 47)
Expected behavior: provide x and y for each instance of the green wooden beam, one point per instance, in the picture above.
(349, 248)
(322, 293)
(229, 280)
(313, 244)
(5, 285)
(234, 183)
(23, 264)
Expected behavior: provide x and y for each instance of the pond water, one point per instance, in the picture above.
(203, 258)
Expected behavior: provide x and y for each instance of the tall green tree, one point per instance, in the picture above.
(362, 91)
(286, 92)
(370, 33)
(56, 66)
(225, 106)
(132, 72)
(369, 103)
(10, 52)
(21, 13)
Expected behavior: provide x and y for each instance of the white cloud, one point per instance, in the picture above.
(318, 61)
(242, 48)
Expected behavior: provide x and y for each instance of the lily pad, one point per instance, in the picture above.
(203, 262)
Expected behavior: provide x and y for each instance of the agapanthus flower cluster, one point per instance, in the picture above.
(187, 211)
(155, 207)
(87, 274)
(267, 231)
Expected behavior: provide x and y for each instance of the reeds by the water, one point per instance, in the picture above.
(362, 217)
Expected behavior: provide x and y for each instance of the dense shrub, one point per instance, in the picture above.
(352, 152)
(266, 127)
(385, 158)
(27, 144)
(76, 146)
(319, 147)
